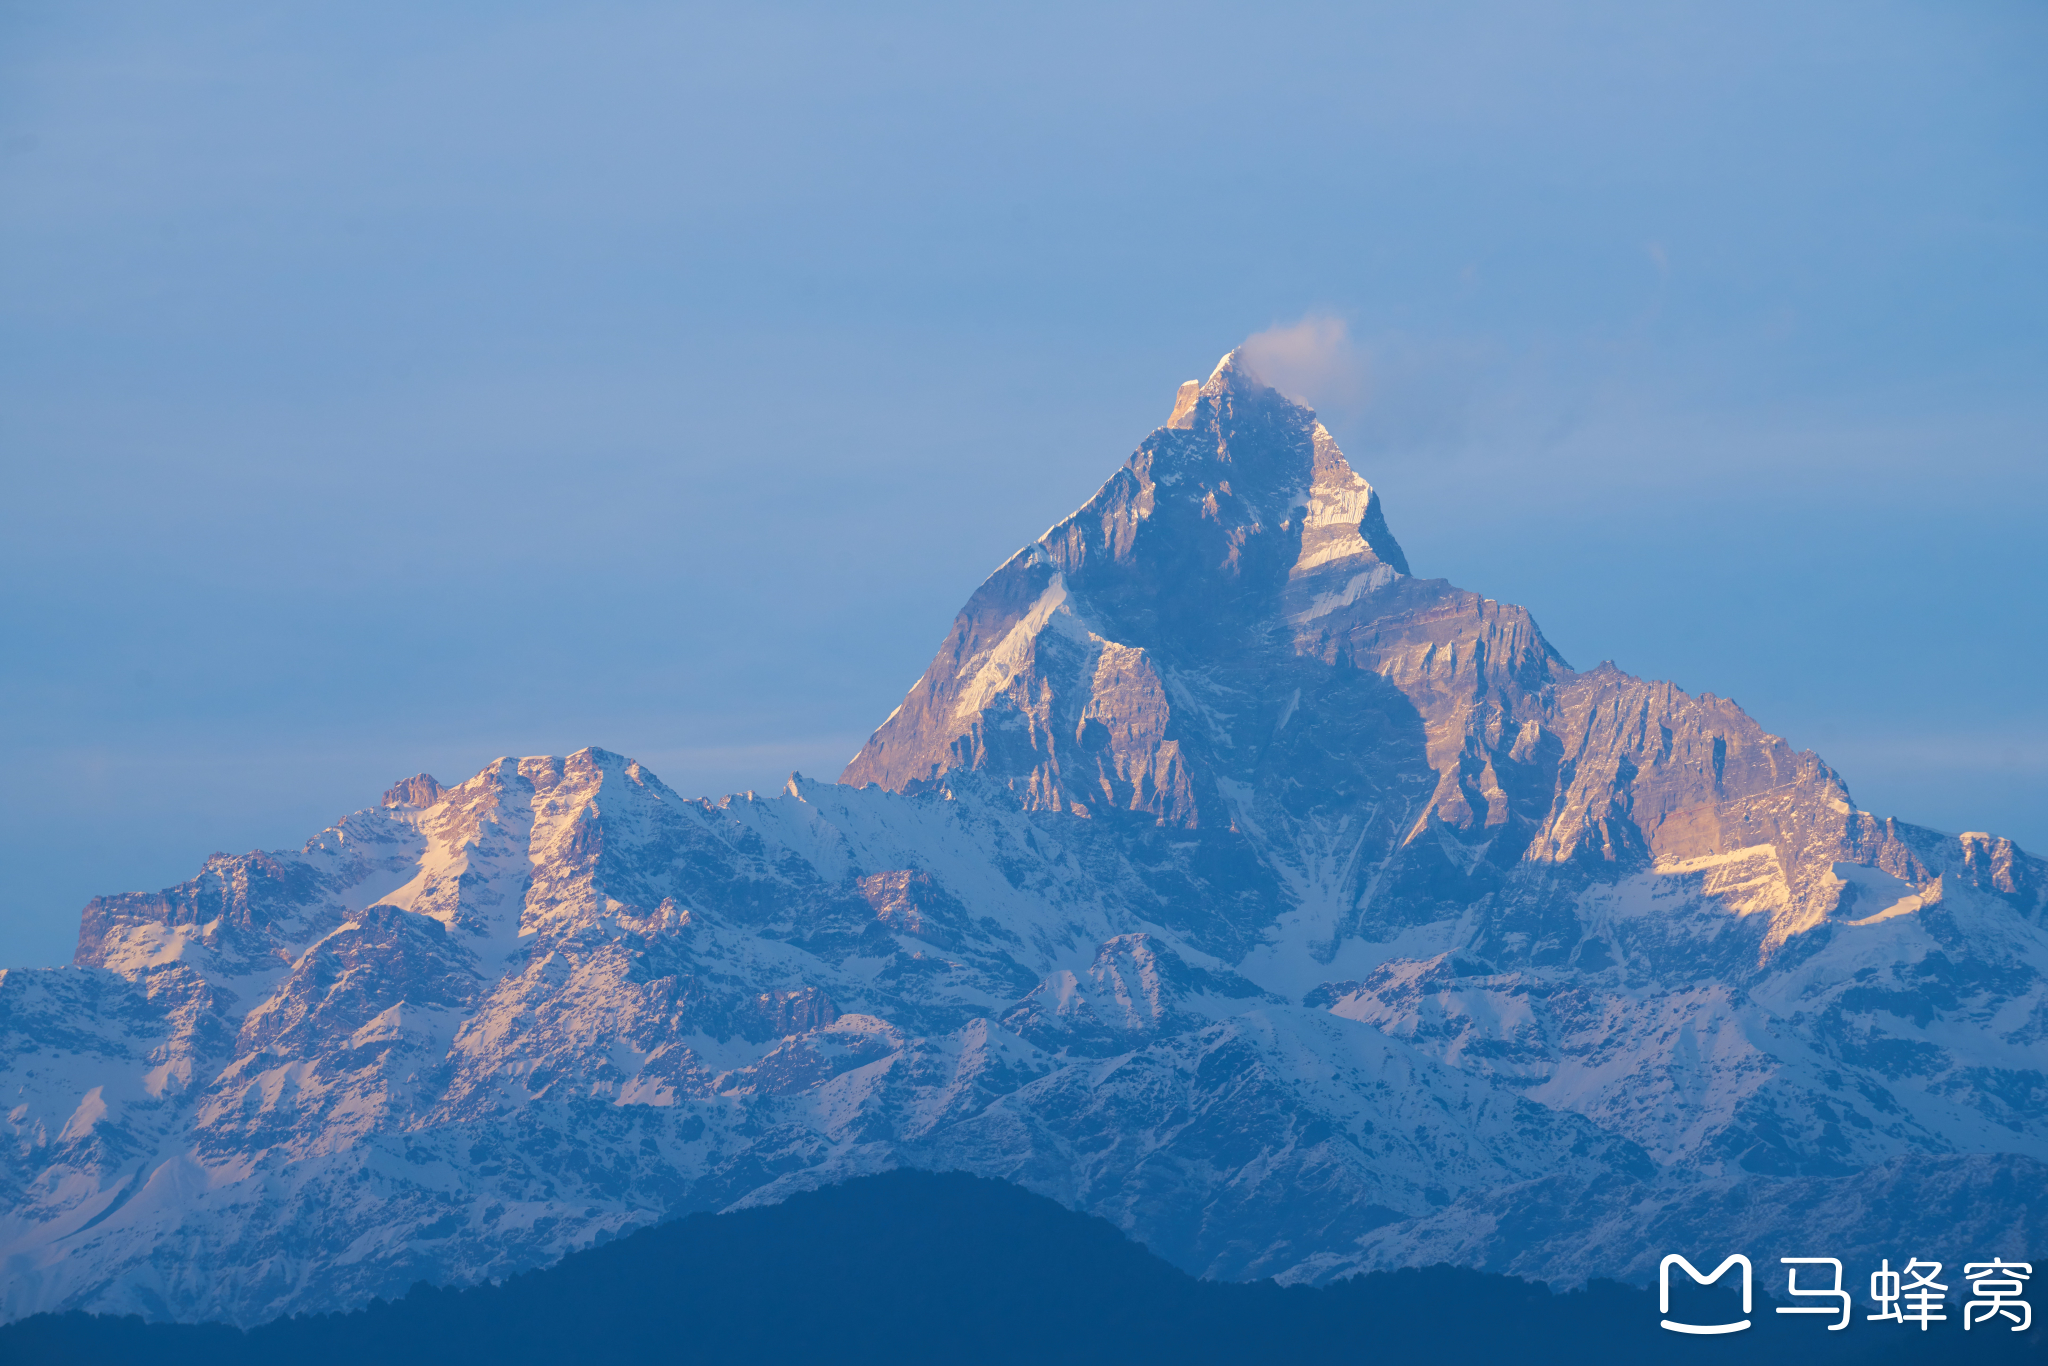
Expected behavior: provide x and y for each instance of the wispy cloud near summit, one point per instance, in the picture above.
(1313, 360)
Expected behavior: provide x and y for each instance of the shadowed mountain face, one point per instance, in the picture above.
(1226, 639)
(1220, 877)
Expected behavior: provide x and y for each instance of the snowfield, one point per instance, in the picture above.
(1220, 877)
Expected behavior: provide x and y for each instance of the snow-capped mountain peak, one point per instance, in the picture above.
(1219, 876)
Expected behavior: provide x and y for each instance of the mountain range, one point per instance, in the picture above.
(1220, 877)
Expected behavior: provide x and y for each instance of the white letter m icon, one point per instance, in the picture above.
(1664, 1292)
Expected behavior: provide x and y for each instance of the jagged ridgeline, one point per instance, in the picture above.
(1220, 877)
(911, 1268)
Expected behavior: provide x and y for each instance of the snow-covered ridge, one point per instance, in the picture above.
(1220, 876)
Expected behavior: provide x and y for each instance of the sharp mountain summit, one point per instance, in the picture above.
(1220, 877)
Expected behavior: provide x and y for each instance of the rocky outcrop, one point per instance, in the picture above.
(1220, 876)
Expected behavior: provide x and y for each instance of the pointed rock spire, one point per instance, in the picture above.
(420, 791)
(1227, 527)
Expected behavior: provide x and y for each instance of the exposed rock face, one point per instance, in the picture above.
(1227, 638)
(1219, 876)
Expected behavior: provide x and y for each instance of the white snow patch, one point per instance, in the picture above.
(1874, 887)
(90, 1111)
(1360, 585)
(1010, 655)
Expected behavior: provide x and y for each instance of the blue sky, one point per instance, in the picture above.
(384, 390)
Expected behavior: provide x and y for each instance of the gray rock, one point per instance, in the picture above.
(1220, 877)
